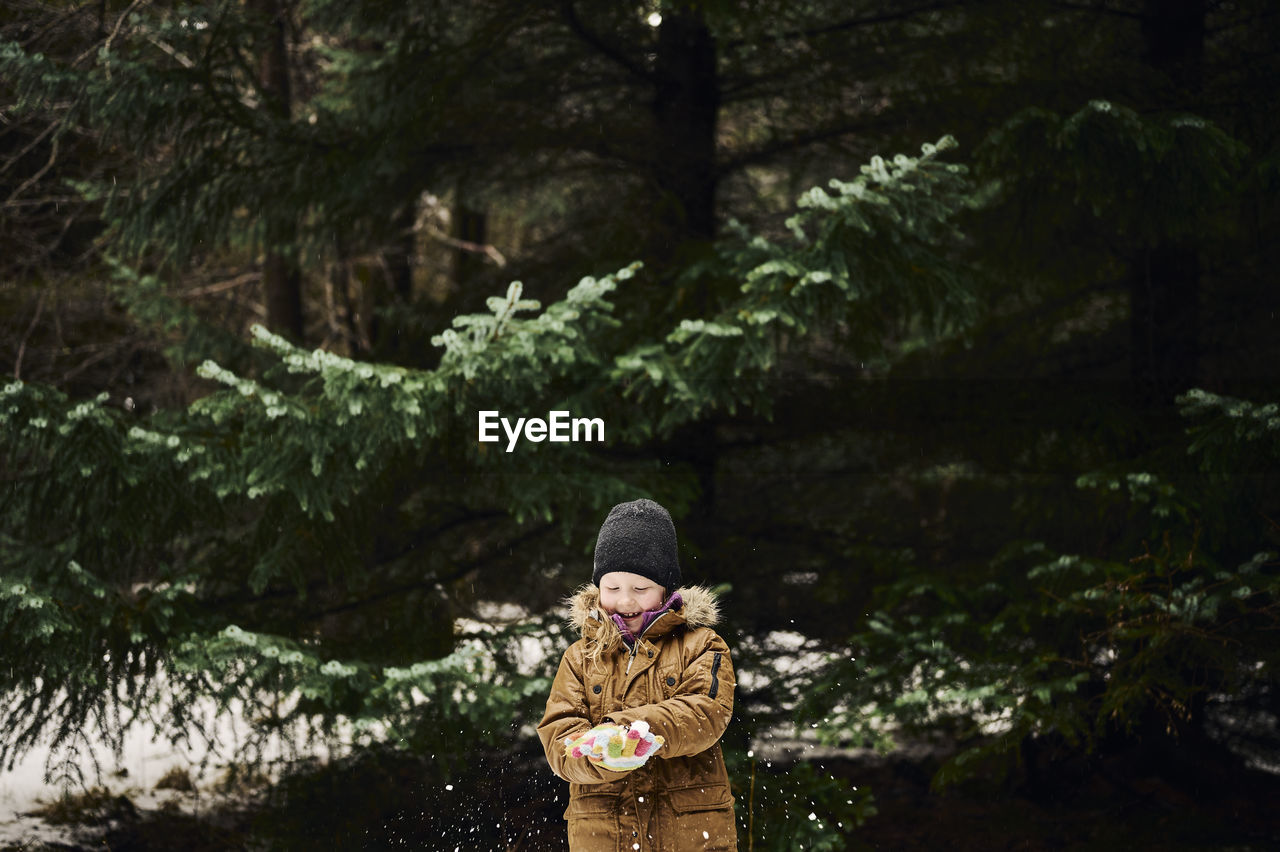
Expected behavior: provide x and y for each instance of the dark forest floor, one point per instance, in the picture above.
(1117, 804)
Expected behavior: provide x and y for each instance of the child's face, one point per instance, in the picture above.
(629, 595)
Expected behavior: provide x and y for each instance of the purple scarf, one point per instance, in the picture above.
(647, 618)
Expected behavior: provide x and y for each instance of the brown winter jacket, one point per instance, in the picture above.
(681, 682)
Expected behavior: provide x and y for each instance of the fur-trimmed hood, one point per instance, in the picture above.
(700, 608)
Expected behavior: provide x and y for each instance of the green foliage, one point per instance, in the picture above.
(1085, 647)
(147, 560)
(868, 259)
(1077, 197)
(305, 539)
(186, 335)
(215, 164)
(798, 807)
(1229, 429)
(475, 693)
(1147, 177)
(181, 89)
(83, 485)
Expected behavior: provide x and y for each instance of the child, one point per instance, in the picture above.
(650, 676)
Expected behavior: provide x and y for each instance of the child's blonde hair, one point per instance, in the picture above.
(597, 627)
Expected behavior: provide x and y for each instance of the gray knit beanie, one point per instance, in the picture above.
(638, 537)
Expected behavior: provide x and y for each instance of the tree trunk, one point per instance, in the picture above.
(281, 278)
(1164, 291)
(1164, 300)
(400, 255)
(468, 225)
(282, 282)
(392, 284)
(685, 109)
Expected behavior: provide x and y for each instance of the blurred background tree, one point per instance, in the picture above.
(355, 175)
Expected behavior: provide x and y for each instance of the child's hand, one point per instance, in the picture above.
(614, 747)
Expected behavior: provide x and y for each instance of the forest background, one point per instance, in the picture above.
(947, 330)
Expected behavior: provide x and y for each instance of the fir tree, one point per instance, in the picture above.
(295, 542)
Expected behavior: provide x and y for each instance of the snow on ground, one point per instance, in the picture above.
(143, 761)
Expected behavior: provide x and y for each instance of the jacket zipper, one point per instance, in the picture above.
(636, 645)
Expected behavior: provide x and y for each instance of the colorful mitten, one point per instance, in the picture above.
(614, 747)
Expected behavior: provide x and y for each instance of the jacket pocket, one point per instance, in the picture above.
(592, 805)
(703, 817)
(699, 797)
